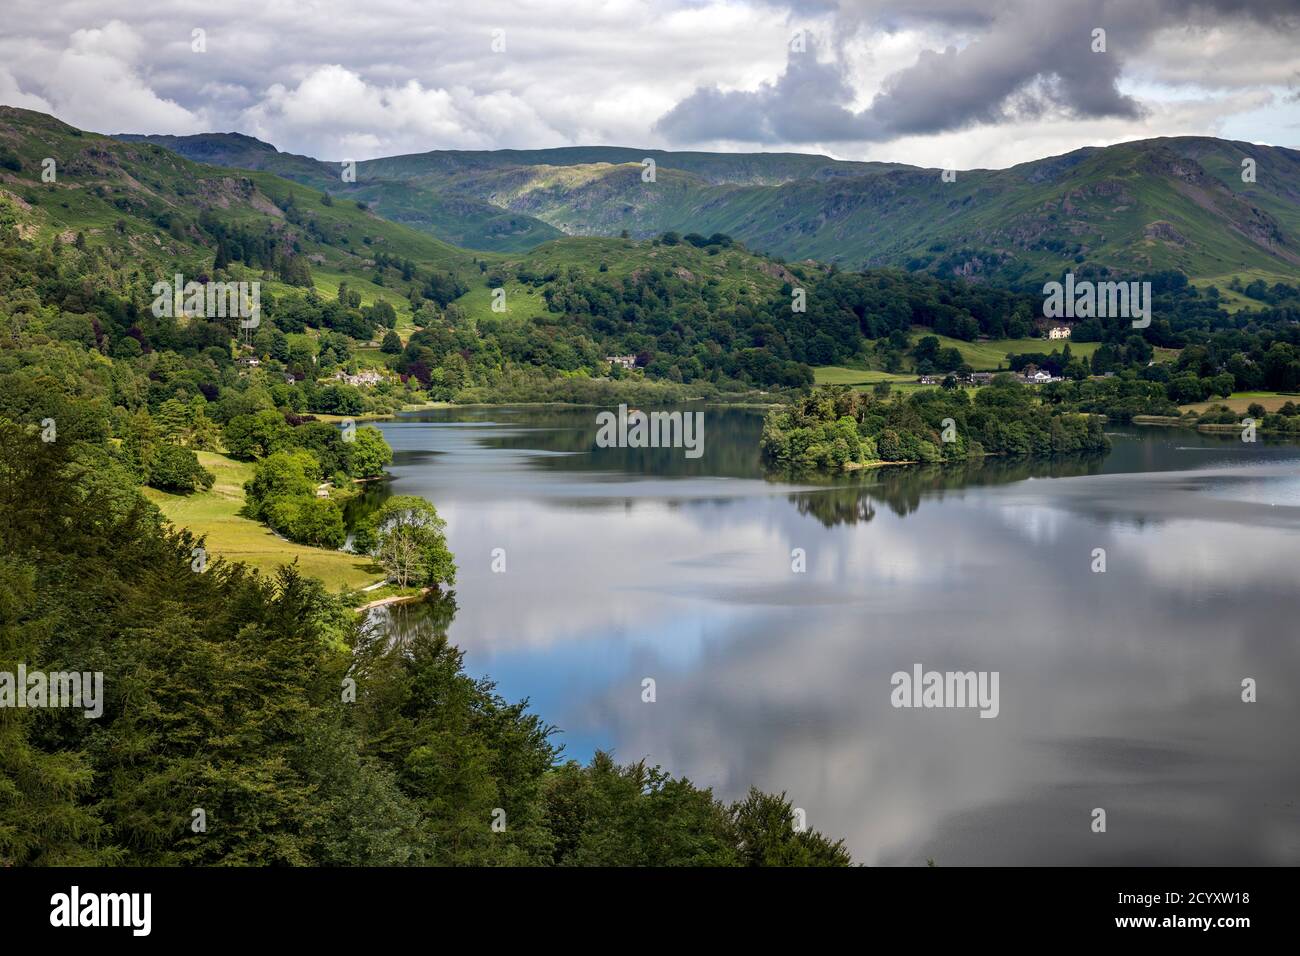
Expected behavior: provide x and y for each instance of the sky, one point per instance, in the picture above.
(937, 83)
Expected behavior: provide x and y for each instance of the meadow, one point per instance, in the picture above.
(214, 515)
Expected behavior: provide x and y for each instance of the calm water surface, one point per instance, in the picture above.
(1119, 690)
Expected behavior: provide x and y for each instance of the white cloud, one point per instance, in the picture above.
(334, 105)
(98, 82)
(332, 78)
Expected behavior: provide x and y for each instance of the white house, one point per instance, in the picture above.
(626, 361)
(1059, 332)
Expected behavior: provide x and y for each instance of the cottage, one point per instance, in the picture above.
(981, 378)
(1059, 332)
(625, 361)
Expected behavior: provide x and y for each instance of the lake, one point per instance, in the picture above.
(1119, 690)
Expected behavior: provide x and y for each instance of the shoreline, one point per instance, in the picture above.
(394, 599)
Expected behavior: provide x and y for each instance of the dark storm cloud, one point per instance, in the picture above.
(1027, 57)
(804, 105)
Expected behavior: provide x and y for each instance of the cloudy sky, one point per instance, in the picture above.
(932, 82)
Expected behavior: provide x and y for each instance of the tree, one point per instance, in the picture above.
(256, 435)
(177, 469)
(140, 444)
(392, 344)
(45, 816)
(281, 475)
(294, 270)
(406, 538)
(318, 522)
(173, 422)
(367, 454)
(764, 831)
(337, 400)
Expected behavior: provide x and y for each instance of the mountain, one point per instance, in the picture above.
(461, 220)
(142, 212)
(1146, 206)
(137, 212)
(703, 315)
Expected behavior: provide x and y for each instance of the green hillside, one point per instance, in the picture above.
(703, 314)
(1138, 207)
(461, 220)
(143, 212)
(1149, 206)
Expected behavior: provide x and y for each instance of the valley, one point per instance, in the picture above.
(422, 407)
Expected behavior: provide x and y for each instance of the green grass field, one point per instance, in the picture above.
(987, 356)
(1240, 401)
(215, 515)
(523, 302)
(327, 286)
(841, 375)
(863, 379)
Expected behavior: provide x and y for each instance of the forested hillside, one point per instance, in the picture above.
(345, 291)
(1155, 205)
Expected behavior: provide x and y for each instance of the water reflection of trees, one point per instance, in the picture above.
(400, 625)
(730, 444)
(852, 499)
(731, 440)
